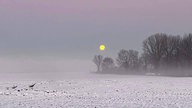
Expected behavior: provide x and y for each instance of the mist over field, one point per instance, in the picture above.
(43, 68)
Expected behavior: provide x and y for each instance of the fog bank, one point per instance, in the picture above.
(43, 65)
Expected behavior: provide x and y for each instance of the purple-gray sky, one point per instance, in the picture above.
(73, 29)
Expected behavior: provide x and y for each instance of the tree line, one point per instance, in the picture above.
(162, 54)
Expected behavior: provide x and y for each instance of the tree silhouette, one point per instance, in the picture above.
(128, 59)
(154, 46)
(186, 48)
(107, 64)
(98, 59)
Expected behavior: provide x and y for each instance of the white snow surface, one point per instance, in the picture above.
(108, 91)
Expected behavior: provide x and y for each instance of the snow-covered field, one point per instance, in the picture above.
(103, 91)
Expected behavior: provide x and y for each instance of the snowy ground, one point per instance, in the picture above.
(98, 92)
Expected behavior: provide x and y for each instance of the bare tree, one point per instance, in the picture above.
(133, 59)
(186, 49)
(123, 59)
(128, 59)
(98, 59)
(169, 51)
(144, 61)
(154, 46)
(172, 51)
(108, 64)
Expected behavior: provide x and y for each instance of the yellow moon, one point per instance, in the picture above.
(102, 47)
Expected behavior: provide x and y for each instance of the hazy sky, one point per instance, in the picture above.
(73, 29)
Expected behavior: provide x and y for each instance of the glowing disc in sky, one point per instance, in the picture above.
(102, 47)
